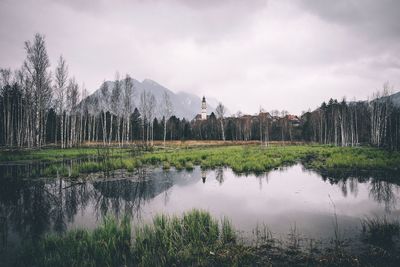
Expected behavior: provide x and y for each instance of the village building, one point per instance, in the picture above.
(203, 115)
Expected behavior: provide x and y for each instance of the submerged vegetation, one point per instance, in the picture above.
(195, 239)
(241, 159)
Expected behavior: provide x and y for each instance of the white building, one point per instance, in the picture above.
(202, 116)
(203, 109)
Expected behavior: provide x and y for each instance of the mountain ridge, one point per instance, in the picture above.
(185, 105)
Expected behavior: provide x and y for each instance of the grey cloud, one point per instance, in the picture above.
(244, 53)
(371, 17)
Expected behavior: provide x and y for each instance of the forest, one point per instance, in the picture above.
(40, 106)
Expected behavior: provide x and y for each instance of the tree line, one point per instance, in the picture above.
(375, 122)
(40, 107)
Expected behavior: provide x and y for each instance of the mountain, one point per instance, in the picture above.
(185, 105)
(395, 99)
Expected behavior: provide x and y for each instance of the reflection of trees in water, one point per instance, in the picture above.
(384, 192)
(3, 234)
(343, 186)
(219, 175)
(168, 177)
(35, 169)
(120, 196)
(25, 170)
(351, 184)
(128, 196)
(382, 189)
(32, 208)
(204, 176)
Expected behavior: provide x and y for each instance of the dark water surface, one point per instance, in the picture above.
(282, 199)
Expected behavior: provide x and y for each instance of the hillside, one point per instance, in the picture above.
(185, 105)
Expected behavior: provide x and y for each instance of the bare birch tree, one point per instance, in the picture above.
(61, 78)
(128, 102)
(151, 115)
(37, 64)
(143, 109)
(166, 112)
(105, 96)
(72, 102)
(220, 110)
(115, 109)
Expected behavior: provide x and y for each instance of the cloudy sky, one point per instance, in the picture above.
(285, 54)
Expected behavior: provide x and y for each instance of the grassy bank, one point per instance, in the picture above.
(260, 159)
(197, 239)
(249, 158)
(57, 154)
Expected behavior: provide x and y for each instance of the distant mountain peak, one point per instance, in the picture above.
(150, 81)
(185, 105)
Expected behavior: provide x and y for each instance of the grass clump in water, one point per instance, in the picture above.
(166, 165)
(380, 231)
(189, 166)
(194, 239)
(108, 245)
(197, 239)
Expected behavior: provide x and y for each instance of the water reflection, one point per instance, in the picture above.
(127, 196)
(203, 176)
(31, 207)
(383, 186)
(37, 169)
(219, 175)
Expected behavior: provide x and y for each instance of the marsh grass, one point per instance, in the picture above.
(107, 245)
(256, 159)
(242, 159)
(196, 239)
(166, 165)
(189, 166)
(56, 154)
(380, 231)
(263, 236)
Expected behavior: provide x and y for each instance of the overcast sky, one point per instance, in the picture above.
(288, 55)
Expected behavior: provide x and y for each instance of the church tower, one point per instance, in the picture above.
(203, 109)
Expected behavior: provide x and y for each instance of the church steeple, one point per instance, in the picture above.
(203, 109)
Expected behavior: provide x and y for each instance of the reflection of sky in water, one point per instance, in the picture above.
(281, 199)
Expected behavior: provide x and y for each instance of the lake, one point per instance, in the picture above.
(283, 199)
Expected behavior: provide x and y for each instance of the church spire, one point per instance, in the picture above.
(204, 109)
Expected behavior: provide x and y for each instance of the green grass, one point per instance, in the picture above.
(108, 245)
(242, 159)
(194, 239)
(184, 241)
(261, 159)
(52, 154)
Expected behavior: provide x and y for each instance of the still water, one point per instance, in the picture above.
(282, 199)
